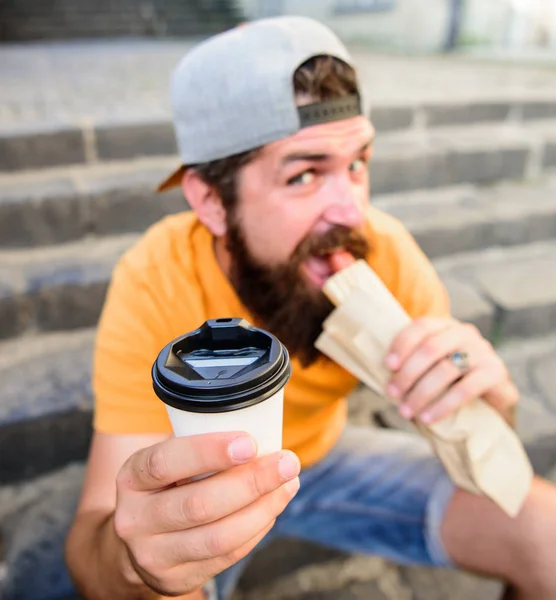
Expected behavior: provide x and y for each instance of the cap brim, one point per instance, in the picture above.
(174, 180)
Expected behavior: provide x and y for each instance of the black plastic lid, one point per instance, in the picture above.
(225, 365)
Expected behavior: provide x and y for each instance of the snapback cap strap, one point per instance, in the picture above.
(318, 113)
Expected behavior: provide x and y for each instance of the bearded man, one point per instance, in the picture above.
(275, 150)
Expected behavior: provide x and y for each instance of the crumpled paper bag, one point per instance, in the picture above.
(479, 450)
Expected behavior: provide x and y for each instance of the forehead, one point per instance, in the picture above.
(337, 138)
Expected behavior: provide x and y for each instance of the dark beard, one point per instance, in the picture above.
(279, 299)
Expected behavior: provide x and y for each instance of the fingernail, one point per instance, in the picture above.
(426, 417)
(406, 412)
(392, 391)
(288, 466)
(242, 448)
(393, 361)
(293, 486)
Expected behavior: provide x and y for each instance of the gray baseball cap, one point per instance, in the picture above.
(234, 92)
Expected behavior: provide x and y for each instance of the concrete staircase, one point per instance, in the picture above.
(25, 20)
(473, 182)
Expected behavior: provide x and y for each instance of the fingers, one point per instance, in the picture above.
(191, 576)
(473, 385)
(217, 565)
(432, 349)
(408, 340)
(211, 499)
(223, 537)
(429, 387)
(163, 464)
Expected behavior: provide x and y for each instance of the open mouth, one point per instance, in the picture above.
(319, 267)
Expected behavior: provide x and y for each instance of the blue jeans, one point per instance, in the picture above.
(379, 492)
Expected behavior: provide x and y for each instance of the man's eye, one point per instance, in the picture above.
(303, 178)
(357, 165)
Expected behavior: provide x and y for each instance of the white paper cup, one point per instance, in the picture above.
(225, 376)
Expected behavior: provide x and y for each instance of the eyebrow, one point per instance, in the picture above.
(319, 157)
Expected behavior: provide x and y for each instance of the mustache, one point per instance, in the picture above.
(339, 237)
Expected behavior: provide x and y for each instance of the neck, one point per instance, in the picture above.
(222, 255)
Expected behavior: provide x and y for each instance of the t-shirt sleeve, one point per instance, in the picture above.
(407, 271)
(131, 332)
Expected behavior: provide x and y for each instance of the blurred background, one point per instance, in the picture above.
(463, 96)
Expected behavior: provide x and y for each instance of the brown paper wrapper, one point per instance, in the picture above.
(478, 449)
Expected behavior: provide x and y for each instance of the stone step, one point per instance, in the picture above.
(42, 207)
(466, 218)
(45, 403)
(58, 205)
(517, 282)
(39, 207)
(46, 144)
(57, 287)
(63, 286)
(61, 205)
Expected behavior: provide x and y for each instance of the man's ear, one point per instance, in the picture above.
(205, 201)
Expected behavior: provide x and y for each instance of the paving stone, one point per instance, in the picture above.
(37, 214)
(45, 403)
(408, 169)
(536, 414)
(126, 77)
(449, 156)
(445, 114)
(358, 591)
(128, 202)
(536, 427)
(441, 584)
(524, 294)
(34, 520)
(544, 375)
(464, 218)
(539, 110)
(342, 575)
(36, 446)
(61, 287)
(469, 306)
(281, 557)
(39, 209)
(41, 148)
(47, 374)
(549, 158)
(12, 314)
(116, 141)
(487, 167)
(389, 118)
(521, 213)
(443, 221)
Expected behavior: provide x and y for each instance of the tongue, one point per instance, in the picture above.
(340, 259)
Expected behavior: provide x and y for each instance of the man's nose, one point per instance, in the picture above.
(346, 206)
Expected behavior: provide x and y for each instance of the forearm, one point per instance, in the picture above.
(99, 563)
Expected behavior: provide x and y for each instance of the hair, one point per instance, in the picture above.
(321, 78)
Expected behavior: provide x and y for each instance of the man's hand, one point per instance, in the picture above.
(430, 386)
(179, 533)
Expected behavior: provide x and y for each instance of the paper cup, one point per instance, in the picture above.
(225, 376)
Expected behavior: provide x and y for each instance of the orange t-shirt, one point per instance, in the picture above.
(170, 283)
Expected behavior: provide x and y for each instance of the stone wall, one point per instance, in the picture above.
(24, 20)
